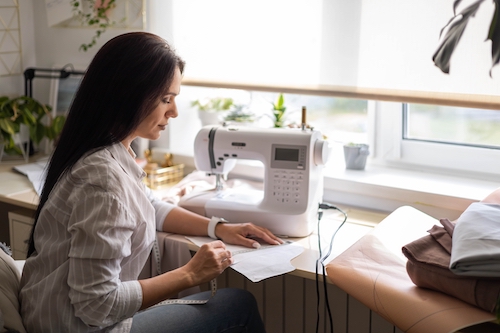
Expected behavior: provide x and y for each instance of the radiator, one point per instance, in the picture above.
(287, 304)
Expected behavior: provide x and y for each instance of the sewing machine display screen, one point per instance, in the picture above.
(288, 157)
(285, 154)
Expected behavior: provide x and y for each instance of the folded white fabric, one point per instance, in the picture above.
(476, 241)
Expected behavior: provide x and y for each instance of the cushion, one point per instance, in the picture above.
(10, 318)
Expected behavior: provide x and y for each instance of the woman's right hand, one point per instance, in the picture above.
(209, 262)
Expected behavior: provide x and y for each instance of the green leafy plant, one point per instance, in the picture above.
(279, 109)
(455, 28)
(215, 104)
(240, 115)
(28, 111)
(94, 14)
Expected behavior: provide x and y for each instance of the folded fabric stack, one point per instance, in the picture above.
(476, 241)
(462, 259)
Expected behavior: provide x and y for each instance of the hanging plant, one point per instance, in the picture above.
(455, 28)
(94, 14)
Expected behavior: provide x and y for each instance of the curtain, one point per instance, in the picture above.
(368, 49)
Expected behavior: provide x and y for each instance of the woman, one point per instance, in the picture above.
(95, 224)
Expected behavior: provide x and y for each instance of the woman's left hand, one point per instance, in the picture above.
(244, 234)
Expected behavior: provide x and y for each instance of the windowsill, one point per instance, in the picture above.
(384, 189)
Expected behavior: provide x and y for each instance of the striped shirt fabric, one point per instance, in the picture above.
(92, 239)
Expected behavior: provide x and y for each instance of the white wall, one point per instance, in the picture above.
(44, 47)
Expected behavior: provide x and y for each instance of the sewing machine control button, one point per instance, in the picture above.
(234, 155)
(219, 163)
(226, 155)
(221, 158)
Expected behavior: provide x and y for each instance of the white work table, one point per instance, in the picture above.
(358, 224)
(287, 303)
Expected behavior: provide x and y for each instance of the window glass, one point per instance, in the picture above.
(455, 125)
(339, 119)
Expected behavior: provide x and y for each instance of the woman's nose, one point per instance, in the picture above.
(172, 113)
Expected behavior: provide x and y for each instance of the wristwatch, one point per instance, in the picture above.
(212, 224)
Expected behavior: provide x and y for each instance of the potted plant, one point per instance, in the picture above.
(210, 110)
(22, 115)
(279, 109)
(454, 29)
(240, 114)
(355, 155)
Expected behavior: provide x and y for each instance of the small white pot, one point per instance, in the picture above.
(209, 118)
(355, 156)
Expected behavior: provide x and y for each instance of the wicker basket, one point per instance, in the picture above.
(158, 178)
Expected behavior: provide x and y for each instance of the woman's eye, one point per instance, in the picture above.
(166, 100)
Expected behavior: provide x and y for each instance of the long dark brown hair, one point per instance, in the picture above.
(121, 86)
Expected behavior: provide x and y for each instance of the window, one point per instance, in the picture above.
(353, 49)
(445, 139)
(341, 120)
(452, 125)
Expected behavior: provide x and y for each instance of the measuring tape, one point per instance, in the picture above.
(213, 283)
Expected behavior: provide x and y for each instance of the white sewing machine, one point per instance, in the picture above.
(293, 179)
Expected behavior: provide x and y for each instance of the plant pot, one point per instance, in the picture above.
(22, 140)
(209, 118)
(355, 156)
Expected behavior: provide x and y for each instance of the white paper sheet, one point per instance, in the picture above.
(262, 263)
(35, 173)
(37, 178)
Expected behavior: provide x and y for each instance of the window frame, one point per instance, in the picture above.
(395, 150)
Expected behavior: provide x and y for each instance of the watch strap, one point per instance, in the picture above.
(212, 224)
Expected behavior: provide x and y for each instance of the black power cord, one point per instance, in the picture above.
(321, 260)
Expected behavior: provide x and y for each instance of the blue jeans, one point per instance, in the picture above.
(229, 311)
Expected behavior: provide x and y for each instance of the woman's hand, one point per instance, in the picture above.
(242, 234)
(209, 262)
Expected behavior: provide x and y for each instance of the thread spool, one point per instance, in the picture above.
(304, 121)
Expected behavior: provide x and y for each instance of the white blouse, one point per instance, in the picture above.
(93, 236)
